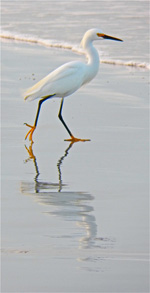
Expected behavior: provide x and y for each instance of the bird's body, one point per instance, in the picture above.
(68, 78)
(62, 82)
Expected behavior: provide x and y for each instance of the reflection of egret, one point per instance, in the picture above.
(60, 163)
(37, 182)
(70, 205)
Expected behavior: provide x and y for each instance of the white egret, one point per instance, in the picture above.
(67, 79)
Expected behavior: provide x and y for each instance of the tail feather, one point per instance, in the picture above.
(31, 94)
(38, 90)
(30, 97)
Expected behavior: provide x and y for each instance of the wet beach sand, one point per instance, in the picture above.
(74, 217)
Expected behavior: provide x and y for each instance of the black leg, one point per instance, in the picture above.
(30, 132)
(61, 118)
(39, 107)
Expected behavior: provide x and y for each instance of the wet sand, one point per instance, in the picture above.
(74, 217)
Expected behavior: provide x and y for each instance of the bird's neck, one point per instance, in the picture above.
(93, 58)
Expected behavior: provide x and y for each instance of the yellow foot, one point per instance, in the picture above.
(74, 139)
(30, 132)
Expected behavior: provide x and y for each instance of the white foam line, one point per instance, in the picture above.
(127, 259)
(127, 63)
(64, 45)
(44, 42)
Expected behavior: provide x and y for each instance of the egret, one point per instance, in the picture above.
(67, 79)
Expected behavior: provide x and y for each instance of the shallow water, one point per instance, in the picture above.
(74, 218)
(63, 24)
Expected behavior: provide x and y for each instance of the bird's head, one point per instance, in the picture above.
(96, 34)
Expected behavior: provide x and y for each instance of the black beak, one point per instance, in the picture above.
(112, 38)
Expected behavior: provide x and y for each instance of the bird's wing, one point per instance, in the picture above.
(63, 81)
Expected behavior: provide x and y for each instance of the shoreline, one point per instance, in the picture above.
(77, 49)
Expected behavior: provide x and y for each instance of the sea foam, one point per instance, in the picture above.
(6, 35)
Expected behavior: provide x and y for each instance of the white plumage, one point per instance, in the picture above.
(62, 82)
(68, 78)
